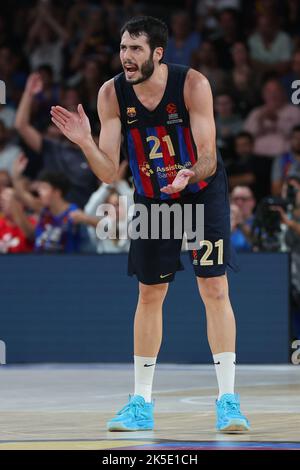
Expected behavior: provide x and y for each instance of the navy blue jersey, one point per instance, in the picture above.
(159, 142)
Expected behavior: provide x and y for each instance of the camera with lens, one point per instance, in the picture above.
(267, 229)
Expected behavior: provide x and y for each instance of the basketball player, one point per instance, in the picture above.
(166, 115)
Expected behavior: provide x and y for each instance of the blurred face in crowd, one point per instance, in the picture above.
(91, 71)
(46, 77)
(224, 105)
(47, 193)
(242, 196)
(180, 25)
(137, 59)
(239, 54)
(227, 22)
(70, 99)
(296, 63)
(295, 142)
(267, 27)
(273, 95)
(207, 53)
(5, 201)
(243, 145)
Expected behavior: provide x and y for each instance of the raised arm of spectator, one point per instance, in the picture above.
(19, 216)
(21, 192)
(104, 160)
(32, 137)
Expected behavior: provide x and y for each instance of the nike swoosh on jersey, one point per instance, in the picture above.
(149, 365)
(131, 122)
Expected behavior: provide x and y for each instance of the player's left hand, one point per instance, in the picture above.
(180, 182)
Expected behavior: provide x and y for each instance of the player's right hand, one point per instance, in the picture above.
(75, 126)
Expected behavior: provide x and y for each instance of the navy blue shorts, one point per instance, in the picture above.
(155, 261)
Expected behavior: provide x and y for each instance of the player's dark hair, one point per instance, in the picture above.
(155, 30)
(56, 180)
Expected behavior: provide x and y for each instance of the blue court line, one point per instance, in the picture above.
(219, 445)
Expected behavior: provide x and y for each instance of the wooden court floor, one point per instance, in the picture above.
(67, 406)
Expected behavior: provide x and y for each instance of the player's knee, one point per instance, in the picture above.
(213, 288)
(152, 294)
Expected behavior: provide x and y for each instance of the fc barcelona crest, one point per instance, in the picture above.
(131, 112)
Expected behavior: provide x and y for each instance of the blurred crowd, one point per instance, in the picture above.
(62, 51)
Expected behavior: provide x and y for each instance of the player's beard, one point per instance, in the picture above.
(147, 69)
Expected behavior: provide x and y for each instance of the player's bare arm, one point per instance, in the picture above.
(199, 102)
(104, 160)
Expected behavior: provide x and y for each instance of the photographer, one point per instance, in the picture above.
(291, 220)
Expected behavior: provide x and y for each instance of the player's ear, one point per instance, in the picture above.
(158, 53)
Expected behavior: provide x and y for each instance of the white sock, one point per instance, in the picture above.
(225, 370)
(143, 376)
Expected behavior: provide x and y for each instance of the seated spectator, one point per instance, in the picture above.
(183, 41)
(55, 231)
(249, 169)
(8, 151)
(58, 154)
(272, 123)
(270, 48)
(239, 240)
(12, 238)
(286, 164)
(243, 198)
(116, 220)
(228, 124)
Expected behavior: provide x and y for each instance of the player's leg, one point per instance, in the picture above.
(221, 333)
(147, 336)
(210, 263)
(154, 262)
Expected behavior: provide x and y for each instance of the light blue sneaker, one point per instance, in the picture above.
(137, 415)
(229, 416)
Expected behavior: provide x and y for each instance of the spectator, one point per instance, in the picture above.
(116, 220)
(243, 197)
(48, 96)
(243, 85)
(58, 155)
(239, 240)
(55, 231)
(270, 48)
(229, 35)
(12, 238)
(8, 151)
(183, 41)
(272, 123)
(249, 169)
(228, 124)
(287, 164)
